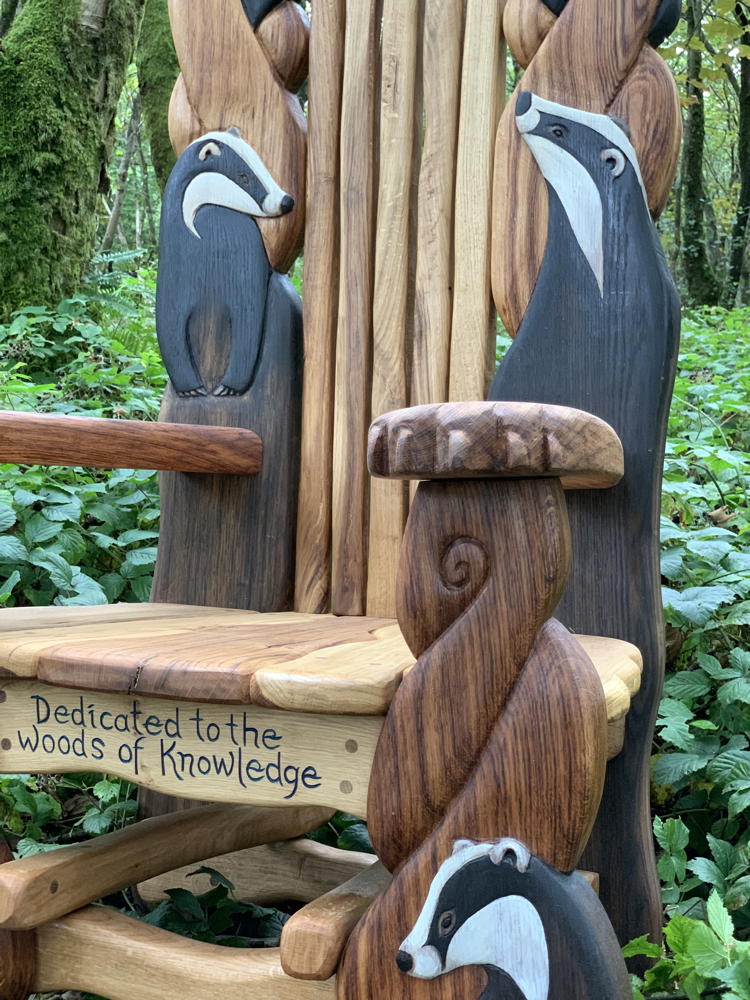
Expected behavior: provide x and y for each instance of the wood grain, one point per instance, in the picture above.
(321, 282)
(37, 889)
(486, 440)
(536, 735)
(314, 938)
(229, 81)
(208, 753)
(294, 869)
(393, 252)
(459, 537)
(285, 36)
(583, 62)
(93, 950)
(354, 340)
(482, 87)
(47, 439)
(307, 663)
(17, 953)
(441, 74)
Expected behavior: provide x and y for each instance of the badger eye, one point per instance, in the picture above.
(615, 160)
(446, 922)
(244, 179)
(210, 149)
(558, 131)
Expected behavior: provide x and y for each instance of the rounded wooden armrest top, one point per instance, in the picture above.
(496, 440)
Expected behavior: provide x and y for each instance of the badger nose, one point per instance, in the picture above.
(287, 204)
(404, 961)
(523, 103)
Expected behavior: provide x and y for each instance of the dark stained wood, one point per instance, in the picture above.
(321, 278)
(17, 952)
(613, 352)
(48, 439)
(45, 886)
(495, 440)
(458, 539)
(225, 542)
(558, 913)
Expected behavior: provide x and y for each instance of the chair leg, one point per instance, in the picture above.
(17, 954)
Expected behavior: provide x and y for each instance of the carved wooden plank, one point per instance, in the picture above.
(583, 62)
(482, 87)
(393, 253)
(229, 81)
(93, 950)
(221, 753)
(321, 277)
(48, 439)
(17, 953)
(46, 886)
(486, 440)
(617, 309)
(294, 869)
(308, 663)
(314, 938)
(354, 342)
(433, 306)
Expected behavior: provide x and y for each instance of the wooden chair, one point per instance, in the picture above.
(406, 671)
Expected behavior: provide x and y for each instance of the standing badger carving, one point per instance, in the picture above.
(212, 258)
(495, 905)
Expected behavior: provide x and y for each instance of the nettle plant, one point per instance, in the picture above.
(79, 536)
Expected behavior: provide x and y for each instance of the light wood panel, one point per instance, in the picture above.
(393, 253)
(486, 440)
(314, 938)
(229, 81)
(294, 869)
(217, 753)
(48, 439)
(482, 88)
(442, 44)
(41, 888)
(354, 339)
(101, 951)
(308, 663)
(321, 279)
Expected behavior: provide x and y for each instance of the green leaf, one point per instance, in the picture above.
(12, 550)
(706, 950)
(141, 557)
(38, 529)
(719, 919)
(7, 517)
(59, 569)
(141, 587)
(670, 768)
(355, 838)
(707, 871)
(642, 946)
(136, 535)
(687, 685)
(216, 878)
(186, 903)
(677, 933)
(70, 511)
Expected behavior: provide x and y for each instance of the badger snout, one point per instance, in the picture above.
(404, 961)
(277, 203)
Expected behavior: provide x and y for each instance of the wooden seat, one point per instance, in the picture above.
(285, 660)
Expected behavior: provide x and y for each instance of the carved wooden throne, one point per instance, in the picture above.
(309, 647)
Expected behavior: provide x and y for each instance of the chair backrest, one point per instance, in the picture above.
(403, 109)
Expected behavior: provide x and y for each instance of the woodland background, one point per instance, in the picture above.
(84, 155)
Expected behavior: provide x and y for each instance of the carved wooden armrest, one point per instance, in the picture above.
(496, 441)
(50, 439)
(314, 938)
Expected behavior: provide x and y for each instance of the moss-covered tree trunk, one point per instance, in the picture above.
(62, 68)
(157, 71)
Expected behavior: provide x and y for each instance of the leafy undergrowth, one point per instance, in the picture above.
(85, 536)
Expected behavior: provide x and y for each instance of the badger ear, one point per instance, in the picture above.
(234, 131)
(621, 123)
(459, 845)
(615, 160)
(521, 854)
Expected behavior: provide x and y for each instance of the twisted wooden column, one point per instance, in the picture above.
(585, 157)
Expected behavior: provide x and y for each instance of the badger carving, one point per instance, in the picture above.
(212, 259)
(495, 905)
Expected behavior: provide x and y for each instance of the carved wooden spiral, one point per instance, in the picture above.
(595, 57)
(237, 75)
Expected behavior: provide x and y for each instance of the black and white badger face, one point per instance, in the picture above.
(466, 920)
(229, 173)
(584, 157)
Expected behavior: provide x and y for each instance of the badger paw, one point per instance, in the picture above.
(190, 393)
(226, 390)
